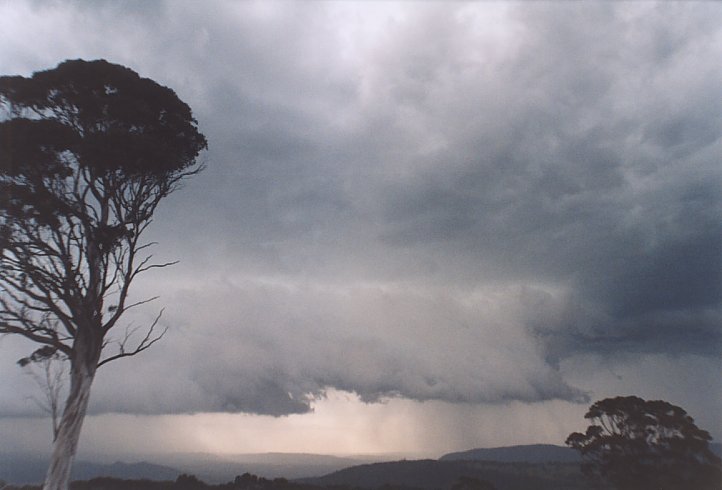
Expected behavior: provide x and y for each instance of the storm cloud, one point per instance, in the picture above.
(426, 201)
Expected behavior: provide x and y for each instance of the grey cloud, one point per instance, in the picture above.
(376, 341)
(573, 188)
(571, 166)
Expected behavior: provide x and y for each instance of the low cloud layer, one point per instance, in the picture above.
(273, 348)
(428, 201)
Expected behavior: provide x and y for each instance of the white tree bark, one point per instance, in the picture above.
(66, 443)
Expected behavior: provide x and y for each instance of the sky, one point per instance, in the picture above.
(422, 227)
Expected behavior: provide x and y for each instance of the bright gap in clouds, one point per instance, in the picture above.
(343, 425)
(339, 425)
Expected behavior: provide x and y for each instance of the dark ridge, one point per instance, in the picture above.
(23, 470)
(434, 474)
(532, 453)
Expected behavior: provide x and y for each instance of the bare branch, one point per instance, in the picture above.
(144, 344)
(6, 328)
(153, 266)
(120, 310)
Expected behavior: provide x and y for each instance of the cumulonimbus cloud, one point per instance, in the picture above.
(411, 202)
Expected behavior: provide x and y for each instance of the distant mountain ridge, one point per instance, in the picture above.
(432, 474)
(530, 453)
(22, 470)
(222, 468)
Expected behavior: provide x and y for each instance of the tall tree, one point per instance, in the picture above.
(87, 152)
(638, 444)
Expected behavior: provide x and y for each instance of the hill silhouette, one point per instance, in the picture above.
(531, 453)
(22, 469)
(433, 474)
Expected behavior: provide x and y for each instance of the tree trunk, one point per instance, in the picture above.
(82, 374)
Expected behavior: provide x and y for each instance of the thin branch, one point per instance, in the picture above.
(154, 266)
(6, 328)
(121, 310)
(144, 344)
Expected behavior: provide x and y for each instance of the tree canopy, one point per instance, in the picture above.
(638, 444)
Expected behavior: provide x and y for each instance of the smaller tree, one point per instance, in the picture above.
(50, 380)
(471, 483)
(646, 445)
(189, 482)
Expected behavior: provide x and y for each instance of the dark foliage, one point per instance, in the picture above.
(421, 475)
(108, 116)
(191, 482)
(471, 483)
(646, 445)
(188, 482)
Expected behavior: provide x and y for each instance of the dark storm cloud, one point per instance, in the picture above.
(602, 171)
(432, 201)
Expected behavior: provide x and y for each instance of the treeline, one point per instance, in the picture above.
(246, 481)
